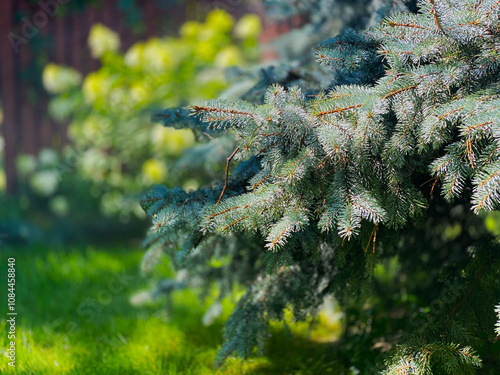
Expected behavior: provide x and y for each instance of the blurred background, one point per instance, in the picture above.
(79, 81)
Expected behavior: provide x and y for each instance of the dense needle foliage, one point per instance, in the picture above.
(369, 191)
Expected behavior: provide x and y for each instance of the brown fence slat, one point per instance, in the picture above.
(26, 124)
(8, 80)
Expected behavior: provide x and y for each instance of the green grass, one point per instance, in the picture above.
(75, 317)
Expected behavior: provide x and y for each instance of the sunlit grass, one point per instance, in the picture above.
(75, 317)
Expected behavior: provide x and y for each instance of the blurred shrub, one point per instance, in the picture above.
(58, 79)
(102, 40)
(90, 190)
(112, 139)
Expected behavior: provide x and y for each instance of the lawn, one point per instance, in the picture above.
(75, 316)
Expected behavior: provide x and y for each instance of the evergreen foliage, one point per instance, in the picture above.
(357, 13)
(324, 191)
(323, 18)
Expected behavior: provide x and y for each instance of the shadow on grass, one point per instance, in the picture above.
(299, 355)
(74, 317)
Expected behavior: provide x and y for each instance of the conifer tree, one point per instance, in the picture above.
(369, 191)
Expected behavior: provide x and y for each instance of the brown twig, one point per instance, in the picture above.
(394, 92)
(374, 236)
(337, 110)
(227, 173)
(436, 18)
